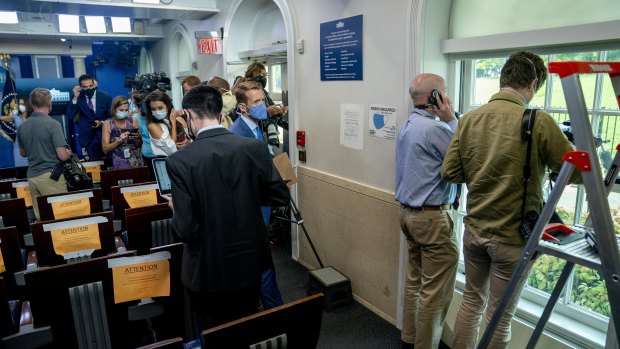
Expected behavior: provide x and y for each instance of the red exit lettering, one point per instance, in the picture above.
(210, 46)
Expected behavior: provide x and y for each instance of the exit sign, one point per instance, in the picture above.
(211, 46)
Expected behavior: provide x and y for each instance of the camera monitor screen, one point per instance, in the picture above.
(161, 175)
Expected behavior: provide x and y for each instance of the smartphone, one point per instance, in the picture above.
(181, 137)
(432, 99)
(132, 131)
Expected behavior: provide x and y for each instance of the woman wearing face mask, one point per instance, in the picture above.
(121, 136)
(257, 72)
(167, 134)
(23, 111)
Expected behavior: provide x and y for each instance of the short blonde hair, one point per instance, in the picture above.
(40, 97)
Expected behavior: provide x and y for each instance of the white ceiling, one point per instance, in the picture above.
(38, 19)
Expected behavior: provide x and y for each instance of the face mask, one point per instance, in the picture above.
(22, 108)
(261, 80)
(258, 112)
(89, 92)
(121, 114)
(132, 106)
(228, 102)
(160, 115)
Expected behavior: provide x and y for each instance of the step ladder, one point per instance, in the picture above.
(585, 160)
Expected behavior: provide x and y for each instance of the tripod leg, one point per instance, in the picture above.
(300, 221)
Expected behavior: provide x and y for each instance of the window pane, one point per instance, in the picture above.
(608, 98)
(589, 290)
(545, 273)
(486, 82)
(588, 81)
(275, 75)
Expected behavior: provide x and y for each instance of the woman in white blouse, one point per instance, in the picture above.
(167, 135)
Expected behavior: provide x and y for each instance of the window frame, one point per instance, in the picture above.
(563, 307)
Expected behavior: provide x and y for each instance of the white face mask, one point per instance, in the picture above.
(22, 108)
(160, 114)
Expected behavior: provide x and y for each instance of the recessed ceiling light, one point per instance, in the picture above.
(68, 24)
(121, 25)
(95, 24)
(8, 17)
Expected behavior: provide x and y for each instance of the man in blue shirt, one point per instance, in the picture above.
(251, 109)
(425, 200)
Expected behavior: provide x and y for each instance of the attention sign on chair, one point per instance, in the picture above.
(75, 238)
(72, 205)
(141, 277)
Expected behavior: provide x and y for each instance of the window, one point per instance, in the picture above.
(584, 297)
(47, 67)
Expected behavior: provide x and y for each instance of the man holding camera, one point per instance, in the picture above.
(42, 140)
(424, 220)
(488, 153)
(89, 109)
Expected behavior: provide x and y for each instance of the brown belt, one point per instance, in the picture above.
(429, 208)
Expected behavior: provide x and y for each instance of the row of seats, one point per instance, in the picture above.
(73, 304)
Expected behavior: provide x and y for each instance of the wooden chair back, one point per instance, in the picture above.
(138, 224)
(300, 322)
(41, 234)
(46, 211)
(110, 178)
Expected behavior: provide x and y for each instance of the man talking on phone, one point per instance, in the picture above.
(89, 109)
(219, 183)
(425, 200)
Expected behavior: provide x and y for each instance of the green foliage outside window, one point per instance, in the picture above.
(588, 286)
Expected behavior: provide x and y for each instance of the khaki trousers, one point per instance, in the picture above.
(44, 185)
(488, 268)
(431, 272)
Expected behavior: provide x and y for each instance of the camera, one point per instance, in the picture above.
(147, 83)
(57, 171)
(527, 224)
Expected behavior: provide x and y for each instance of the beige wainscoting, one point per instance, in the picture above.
(355, 230)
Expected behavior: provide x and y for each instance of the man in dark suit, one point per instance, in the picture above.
(89, 109)
(219, 182)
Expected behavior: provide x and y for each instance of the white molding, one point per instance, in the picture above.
(602, 33)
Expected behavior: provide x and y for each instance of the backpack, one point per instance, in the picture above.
(75, 174)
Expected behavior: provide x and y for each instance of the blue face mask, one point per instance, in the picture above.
(160, 115)
(258, 112)
(121, 114)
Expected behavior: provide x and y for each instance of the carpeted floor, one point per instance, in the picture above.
(346, 326)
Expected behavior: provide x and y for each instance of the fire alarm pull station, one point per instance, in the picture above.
(301, 138)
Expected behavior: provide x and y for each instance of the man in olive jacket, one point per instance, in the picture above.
(488, 154)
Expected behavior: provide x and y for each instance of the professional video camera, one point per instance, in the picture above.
(148, 82)
(280, 120)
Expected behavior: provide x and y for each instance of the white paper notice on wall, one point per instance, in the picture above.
(352, 125)
(382, 121)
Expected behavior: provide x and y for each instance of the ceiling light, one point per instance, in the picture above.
(8, 17)
(68, 24)
(95, 24)
(152, 2)
(121, 25)
(63, 39)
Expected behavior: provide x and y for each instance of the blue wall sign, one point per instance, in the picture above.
(341, 49)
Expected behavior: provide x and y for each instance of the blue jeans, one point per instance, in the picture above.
(269, 292)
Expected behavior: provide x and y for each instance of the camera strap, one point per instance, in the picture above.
(527, 127)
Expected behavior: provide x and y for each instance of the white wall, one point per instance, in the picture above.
(487, 17)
